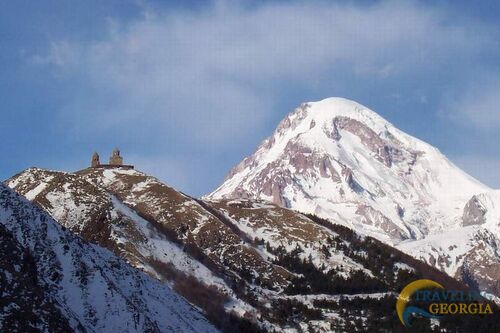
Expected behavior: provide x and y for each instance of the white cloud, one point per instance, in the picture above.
(208, 74)
(61, 54)
(208, 80)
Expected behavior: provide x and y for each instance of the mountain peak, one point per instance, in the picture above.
(328, 109)
(340, 160)
(339, 106)
(317, 125)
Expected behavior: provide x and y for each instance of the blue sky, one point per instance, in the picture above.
(186, 91)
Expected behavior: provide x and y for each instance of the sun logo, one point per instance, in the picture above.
(404, 311)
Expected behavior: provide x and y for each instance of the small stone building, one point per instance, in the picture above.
(115, 161)
(115, 158)
(95, 160)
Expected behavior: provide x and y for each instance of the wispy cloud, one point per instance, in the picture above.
(209, 72)
(212, 77)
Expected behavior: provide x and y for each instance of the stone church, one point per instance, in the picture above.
(115, 161)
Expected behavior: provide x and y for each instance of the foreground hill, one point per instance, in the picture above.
(53, 281)
(250, 265)
(343, 162)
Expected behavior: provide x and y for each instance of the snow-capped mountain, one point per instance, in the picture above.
(341, 161)
(53, 281)
(483, 209)
(247, 264)
(470, 254)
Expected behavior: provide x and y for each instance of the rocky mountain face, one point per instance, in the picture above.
(250, 265)
(53, 281)
(25, 304)
(341, 161)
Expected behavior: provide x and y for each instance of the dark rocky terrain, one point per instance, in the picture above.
(51, 280)
(249, 265)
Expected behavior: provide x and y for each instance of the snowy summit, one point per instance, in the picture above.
(342, 161)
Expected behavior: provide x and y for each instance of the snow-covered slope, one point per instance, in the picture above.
(100, 217)
(483, 209)
(339, 160)
(247, 264)
(81, 287)
(470, 254)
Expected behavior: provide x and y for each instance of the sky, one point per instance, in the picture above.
(187, 89)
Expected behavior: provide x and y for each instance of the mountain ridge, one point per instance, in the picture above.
(89, 289)
(234, 257)
(342, 161)
(310, 231)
